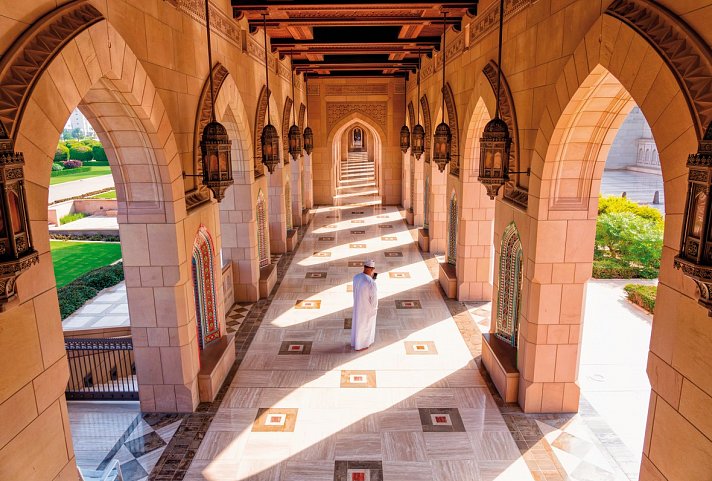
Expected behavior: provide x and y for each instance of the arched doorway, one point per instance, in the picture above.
(206, 300)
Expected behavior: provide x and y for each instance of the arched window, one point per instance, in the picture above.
(262, 240)
(510, 286)
(426, 194)
(288, 205)
(452, 230)
(206, 302)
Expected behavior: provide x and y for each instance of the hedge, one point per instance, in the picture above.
(60, 173)
(80, 152)
(61, 154)
(75, 294)
(56, 167)
(85, 237)
(642, 295)
(99, 154)
(97, 163)
(612, 268)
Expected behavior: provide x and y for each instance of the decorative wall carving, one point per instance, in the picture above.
(257, 52)
(411, 115)
(378, 111)
(687, 55)
(313, 89)
(23, 64)
(199, 193)
(454, 128)
(513, 190)
(488, 20)
(302, 116)
(427, 126)
(357, 89)
(286, 115)
(220, 23)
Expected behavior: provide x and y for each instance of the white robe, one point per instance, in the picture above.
(363, 322)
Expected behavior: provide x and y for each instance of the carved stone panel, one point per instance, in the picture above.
(335, 111)
(427, 126)
(286, 114)
(454, 128)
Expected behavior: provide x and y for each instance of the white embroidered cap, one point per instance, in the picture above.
(369, 263)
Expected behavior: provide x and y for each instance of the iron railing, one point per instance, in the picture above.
(101, 369)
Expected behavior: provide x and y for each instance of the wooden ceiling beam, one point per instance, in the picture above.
(354, 21)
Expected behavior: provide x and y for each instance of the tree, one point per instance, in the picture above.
(62, 153)
(80, 152)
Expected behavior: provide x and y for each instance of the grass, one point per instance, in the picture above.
(71, 259)
(105, 195)
(71, 217)
(93, 172)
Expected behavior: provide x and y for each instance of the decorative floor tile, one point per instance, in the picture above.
(326, 238)
(358, 379)
(332, 216)
(441, 420)
(331, 226)
(357, 246)
(408, 304)
(389, 238)
(315, 275)
(422, 348)
(347, 322)
(349, 287)
(307, 304)
(399, 275)
(355, 263)
(275, 420)
(358, 232)
(358, 221)
(385, 226)
(360, 212)
(358, 471)
(144, 444)
(295, 347)
(393, 254)
(383, 216)
(236, 316)
(322, 254)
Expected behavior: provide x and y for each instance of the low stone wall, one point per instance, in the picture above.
(107, 207)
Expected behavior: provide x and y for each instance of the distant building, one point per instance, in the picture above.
(78, 121)
(634, 147)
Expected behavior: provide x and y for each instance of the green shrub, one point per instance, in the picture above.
(85, 237)
(61, 173)
(62, 153)
(627, 236)
(87, 286)
(80, 152)
(98, 153)
(71, 218)
(612, 268)
(642, 295)
(57, 167)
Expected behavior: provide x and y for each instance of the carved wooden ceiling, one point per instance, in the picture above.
(353, 38)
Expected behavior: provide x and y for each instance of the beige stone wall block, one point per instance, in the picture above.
(16, 413)
(552, 399)
(548, 235)
(557, 334)
(572, 303)
(19, 348)
(165, 398)
(142, 308)
(566, 362)
(545, 303)
(530, 395)
(691, 344)
(695, 406)
(664, 380)
(46, 308)
(148, 362)
(544, 363)
(25, 458)
(163, 242)
(50, 385)
(134, 238)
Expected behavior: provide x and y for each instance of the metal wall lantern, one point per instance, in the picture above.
(215, 147)
(17, 253)
(442, 143)
(270, 137)
(495, 145)
(417, 137)
(695, 257)
(295, 133)
(308, 140)
(404, 138)
(442, 139)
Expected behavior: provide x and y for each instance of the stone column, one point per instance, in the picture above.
(276, 211)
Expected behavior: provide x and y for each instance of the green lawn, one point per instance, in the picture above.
(105, 195)
(72, 259)
(93, 172)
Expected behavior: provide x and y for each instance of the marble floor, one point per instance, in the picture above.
(304, 406)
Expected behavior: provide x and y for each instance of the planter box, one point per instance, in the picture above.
(448, 279)
(268, 278)
(215, 362)
(424, 240)
(500, 361)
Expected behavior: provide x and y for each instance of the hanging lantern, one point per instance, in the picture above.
(17, 253)
(295, 141)
(215, 146)
(417, 141)
(404, 139)
(308, 140)
(494, 156)
(695, 257)
(270, 147)
(442, 141)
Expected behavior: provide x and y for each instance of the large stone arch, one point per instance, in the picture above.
(555, 278)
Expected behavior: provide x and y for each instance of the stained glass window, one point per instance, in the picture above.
(206, 308)
(262, 240)
(452, 231)
(510, 286)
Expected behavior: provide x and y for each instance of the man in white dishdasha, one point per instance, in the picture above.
(363, 323)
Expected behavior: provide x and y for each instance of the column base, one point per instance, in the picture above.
(500, 361)
(215, 362)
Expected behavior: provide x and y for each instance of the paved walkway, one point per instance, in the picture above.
(108, 309)
(79, 187)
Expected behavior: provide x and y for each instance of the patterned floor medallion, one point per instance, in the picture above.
(355, 263)
(322, 254)
(393, 254)
(408, 304)
(358, 471)
(349, 287)
(307, 304)
(347, 322)
(358, 379)
(359, 212)
(420, 348)
(441, 420)
(326, 238)
(358, 221)
(358, 232)
(385, 226)
(399, 275)
(315, 275)
(389, 238)
(275, 420)
(357, 246)
(295, 348)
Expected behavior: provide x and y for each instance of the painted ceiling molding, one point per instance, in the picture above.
(454, 128)
(427, 126)
(26, 60)
(286, 114)
(199, 193)
(688, 55)
(513, 190)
